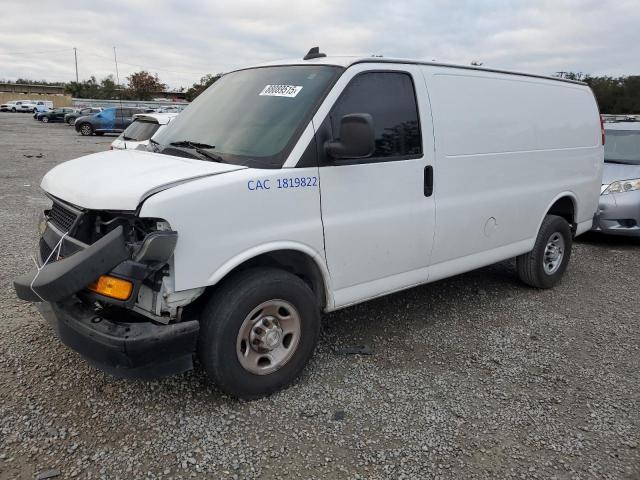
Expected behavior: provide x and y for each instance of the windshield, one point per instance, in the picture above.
(252, 117)
(622, 146)
(140, 130)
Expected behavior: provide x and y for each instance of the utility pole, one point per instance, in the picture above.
(75, 54)
(115, 58)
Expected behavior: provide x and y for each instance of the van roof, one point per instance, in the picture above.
(346, 61)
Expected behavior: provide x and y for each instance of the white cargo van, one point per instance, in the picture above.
(298, 187)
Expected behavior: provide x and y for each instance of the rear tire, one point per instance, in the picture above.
(244, 329)
(71, 121)
(544, 266)
(85, 129)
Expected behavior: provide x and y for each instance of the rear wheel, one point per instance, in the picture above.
(544, 266)
(258, 331)
(86, 129)
(45, 119)
(71, 121)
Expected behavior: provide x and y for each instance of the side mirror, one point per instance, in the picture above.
(357, 138)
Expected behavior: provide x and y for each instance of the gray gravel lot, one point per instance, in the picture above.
(472, 377)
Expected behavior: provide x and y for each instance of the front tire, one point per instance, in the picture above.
(544, 266)
(45, 119)
(85, 129)
(258, 331)
(71, 121)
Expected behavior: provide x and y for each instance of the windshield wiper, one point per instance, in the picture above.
(200, 148)
(190, 144)
(622, 162)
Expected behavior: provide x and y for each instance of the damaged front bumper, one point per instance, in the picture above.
(60, 279)
(106, 331)
(125, 349)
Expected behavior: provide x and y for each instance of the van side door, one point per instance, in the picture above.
(378, 212)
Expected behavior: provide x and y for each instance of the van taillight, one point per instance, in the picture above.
(602, 129)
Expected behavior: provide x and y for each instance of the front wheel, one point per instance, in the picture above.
(258, 331)
(71, 121)
(45, 119)
(86, 129)
(544, 266)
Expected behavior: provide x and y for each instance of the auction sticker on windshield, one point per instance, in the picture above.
(281, 90)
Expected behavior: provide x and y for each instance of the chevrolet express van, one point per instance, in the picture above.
(305, 186)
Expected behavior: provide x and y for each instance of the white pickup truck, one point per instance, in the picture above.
(304, 186)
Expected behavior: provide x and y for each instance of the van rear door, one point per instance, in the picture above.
(378, 216)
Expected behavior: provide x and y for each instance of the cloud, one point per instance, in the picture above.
(182, 41)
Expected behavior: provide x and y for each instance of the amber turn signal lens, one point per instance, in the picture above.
(112, 287)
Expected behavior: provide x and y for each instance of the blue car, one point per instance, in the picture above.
(109, 120)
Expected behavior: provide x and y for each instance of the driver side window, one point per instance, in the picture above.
(389, 97)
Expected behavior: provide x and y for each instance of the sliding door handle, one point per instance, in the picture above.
(428, 181)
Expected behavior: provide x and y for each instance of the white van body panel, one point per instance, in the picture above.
(506, 148)
(122, 179)
(222, 220)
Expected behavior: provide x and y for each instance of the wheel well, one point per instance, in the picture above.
(295, 262)
(565, 208)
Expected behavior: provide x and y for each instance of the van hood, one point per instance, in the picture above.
(619, 171)
(122, 179)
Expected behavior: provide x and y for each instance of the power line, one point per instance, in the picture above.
(35, 53)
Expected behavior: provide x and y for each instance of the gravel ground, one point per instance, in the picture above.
(472, 377)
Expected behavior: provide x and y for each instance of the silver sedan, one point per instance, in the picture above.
(619, 208)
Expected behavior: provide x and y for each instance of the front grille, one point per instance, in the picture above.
(61, 217)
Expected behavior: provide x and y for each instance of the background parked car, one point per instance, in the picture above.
(619, 207)
(71, 118)
(144, 127)
(43, 106)
(55, 115)
(21, 106)
(110, 120)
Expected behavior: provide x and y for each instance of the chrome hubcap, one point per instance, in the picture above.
(553, 253)
(268, 337)
(86, 130)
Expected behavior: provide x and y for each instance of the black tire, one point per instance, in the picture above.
(85, 129)
(13, 110)
(531, 266)
(71, 121)
(45, 119)
(224, 315)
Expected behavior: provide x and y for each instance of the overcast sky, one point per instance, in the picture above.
(183, 40)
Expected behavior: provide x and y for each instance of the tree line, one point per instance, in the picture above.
(140, 85)
(615, 95)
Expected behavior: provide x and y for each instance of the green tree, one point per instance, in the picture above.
(199, 87)
(142, 85)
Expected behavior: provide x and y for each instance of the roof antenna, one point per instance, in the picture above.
(314, 53)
